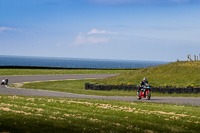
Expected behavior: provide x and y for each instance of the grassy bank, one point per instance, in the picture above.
(56, 71)
(40, 114)
(179, 74)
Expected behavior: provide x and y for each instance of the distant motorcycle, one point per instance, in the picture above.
(144, 92)
(4, 81)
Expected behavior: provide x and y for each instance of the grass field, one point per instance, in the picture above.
(41, 114)
(56, 71)
(78, 87)
(179, 74)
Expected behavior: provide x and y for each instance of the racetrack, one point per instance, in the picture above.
(32, 92)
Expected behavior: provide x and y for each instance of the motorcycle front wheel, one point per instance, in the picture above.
(138, 93)
(148, 96)
(138, 97)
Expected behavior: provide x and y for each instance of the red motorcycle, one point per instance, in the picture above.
(144, 92)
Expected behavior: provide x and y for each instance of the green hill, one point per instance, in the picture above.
(179, 74)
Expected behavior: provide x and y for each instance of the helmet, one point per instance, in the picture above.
(144, 79)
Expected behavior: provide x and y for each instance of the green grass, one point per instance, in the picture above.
(71, 86)
(78, 87)
(179, 74)
(6, 72)
(42, 114)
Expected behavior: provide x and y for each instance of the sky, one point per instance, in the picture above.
(153, 30)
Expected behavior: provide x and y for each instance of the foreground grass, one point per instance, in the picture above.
(6, 72)
(41, 114)
(78, 87)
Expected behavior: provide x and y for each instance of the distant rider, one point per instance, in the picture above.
(142, 83)
(4, 81)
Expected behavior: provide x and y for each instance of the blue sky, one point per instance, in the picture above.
(154, 30)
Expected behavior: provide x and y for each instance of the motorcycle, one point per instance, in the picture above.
(144, 92)
(4, 82)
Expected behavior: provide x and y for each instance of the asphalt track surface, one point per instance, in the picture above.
(35, 78)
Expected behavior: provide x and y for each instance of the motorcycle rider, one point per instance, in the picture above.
(142, 83)
(4, 81)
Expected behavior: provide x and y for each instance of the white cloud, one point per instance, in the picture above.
(94, 36)
(95, 31)
(79, 39)
(82, 39)
(94, 40)
(6, 29)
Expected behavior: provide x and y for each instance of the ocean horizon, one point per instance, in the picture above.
(63, 62)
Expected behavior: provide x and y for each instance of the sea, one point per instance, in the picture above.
(60, 62)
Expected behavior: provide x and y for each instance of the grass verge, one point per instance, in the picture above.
(42, 114)
(6, 72)
(78, 87)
